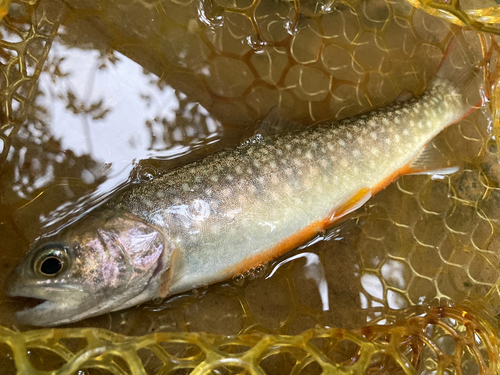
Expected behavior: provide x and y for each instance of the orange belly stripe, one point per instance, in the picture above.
(311, 230)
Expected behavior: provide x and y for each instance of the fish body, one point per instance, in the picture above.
(220, 216)
(245, 206)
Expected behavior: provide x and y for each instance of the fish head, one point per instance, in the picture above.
(103, 262)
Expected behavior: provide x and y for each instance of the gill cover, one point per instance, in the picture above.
(103, 262)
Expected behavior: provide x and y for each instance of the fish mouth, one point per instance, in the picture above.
(35, 310)
(28, 302)
(39, 310)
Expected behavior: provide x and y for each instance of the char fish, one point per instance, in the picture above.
(212, 219)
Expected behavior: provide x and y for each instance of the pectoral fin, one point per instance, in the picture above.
(352, 204)
(173, 273)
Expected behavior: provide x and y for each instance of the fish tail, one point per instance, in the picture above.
(462, 68)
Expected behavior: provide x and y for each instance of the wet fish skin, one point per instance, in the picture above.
(109, 257)
(241, 203)
(231, 211)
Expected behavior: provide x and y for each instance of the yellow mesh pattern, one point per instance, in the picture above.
(482, 15)
(21, 66)
(441, 341)
(422, 241)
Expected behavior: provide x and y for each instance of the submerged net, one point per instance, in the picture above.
(394, 269)
(448, 340)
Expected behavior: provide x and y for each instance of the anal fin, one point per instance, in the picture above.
(430, 161)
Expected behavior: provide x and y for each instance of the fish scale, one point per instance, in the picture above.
(243, 202)
(239, 208)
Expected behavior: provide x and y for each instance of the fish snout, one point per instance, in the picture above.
(12, 282)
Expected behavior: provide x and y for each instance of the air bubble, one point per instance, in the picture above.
(256, 43)
(146, 174)
(260, 270)
(238, 279)
(257, 138)
(250, 274)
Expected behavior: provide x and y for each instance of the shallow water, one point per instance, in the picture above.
(172, 81)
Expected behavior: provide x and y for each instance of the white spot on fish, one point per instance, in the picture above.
(226, 192)
(309, 155)
(199, 210)
(344, 163)
(272, 164)
(147, 203)
(185, 187)
(160, 194)
(238, 170)
(406, 132)
(388, 141)
(214, 178)
(373, 135)
(341, 143)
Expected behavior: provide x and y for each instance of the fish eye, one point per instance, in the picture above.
(50, 262)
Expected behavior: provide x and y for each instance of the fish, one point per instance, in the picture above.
(237, 209)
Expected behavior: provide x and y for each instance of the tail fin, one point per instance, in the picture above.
(461, 67)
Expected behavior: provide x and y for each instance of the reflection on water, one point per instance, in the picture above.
(171, 81)
(313, 270)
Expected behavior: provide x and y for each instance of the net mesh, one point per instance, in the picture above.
(437, 246)
(440, 341)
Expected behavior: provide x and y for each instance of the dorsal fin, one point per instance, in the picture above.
(276, 122)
